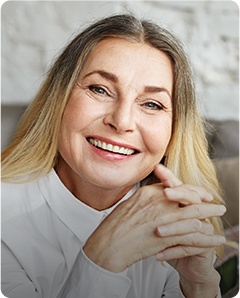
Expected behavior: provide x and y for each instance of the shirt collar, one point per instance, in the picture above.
(80, 218)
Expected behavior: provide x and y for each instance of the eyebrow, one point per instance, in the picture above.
(112, 77)
(107, 75)
(153, 89)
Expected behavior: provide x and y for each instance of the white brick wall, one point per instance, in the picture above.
(33, 32)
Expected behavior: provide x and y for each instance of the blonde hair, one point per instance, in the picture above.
(34, 149)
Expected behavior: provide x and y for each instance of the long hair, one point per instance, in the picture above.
(33, 151)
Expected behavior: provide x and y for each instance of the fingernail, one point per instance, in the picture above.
(221, 239)
(162, 231)
(209, 198)
(222, 208)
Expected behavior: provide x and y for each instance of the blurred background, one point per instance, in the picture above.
(34, 32)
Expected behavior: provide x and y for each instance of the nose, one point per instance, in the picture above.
(120, 117)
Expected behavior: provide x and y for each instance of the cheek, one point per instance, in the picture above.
(81, 111)
(71, 125)
(157, 136)
(76, 117)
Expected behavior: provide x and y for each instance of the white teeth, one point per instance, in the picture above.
(116, 149)
(104, 145)
(121, 151)
(110, 147)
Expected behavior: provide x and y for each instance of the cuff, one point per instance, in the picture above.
(88, 280)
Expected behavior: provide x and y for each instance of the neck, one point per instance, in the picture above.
(97, 197)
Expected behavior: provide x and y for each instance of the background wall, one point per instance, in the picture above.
(33, 32)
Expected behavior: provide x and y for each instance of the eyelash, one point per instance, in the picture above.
(155, 106)
(96, 90)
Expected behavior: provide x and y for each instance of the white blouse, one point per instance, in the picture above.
(44, 228)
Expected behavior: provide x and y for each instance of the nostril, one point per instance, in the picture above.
(112, 126)
(121, 118)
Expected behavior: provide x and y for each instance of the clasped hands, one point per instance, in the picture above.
(167, 220)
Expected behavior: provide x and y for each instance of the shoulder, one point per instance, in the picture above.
(19, 198)
(9, 187)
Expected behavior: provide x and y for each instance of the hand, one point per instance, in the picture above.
(198, 277)
(194, 263)
(129, 233)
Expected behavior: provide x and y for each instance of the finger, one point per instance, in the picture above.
(178, 252)
(202, 192)
(182, 195)
(189, 245)
(167, 178)
(207, 228)
(201, 240)
(180, 228)
(188, 194)
(199, 211)
(185, 227)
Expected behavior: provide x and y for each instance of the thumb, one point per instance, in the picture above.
(167, 178)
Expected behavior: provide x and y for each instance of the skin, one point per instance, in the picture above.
(120, 106)
(114, 102)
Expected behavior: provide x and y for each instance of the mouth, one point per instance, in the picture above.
(111, 147)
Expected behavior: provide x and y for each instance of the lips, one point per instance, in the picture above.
(111, 147)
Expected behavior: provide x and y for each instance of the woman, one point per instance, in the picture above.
(108, 174)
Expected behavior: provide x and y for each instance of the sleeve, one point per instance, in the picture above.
(86, 279)
(15, 282)
(219, 295)
(91, 281)
(173, 289)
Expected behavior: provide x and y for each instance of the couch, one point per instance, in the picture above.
(223, 139)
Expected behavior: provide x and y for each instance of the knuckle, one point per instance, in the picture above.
(210, 228)
(197, 210)
(201, 189)
(185, 251)
(194, 240)
(196, 224)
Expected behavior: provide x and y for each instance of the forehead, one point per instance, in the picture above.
(129, 59)
(111, 48)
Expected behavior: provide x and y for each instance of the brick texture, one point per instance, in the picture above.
(33, 32)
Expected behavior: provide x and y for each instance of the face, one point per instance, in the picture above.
(117, 124)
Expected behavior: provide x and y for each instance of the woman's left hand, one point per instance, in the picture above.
(195, 264)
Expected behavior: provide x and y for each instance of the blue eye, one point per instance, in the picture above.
(98, 90)
(153, 105)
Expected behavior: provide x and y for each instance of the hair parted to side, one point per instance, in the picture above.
(34, 149)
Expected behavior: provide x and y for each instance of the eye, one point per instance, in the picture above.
(153, 105)
(97, 90)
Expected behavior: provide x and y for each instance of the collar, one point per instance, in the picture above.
(80, 218)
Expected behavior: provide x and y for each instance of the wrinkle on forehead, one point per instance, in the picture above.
(133, 64)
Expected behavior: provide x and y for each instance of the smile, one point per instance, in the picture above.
(110, 147)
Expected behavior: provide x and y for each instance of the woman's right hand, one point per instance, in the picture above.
(129, 233)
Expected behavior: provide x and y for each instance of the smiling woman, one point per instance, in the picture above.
(117, 109)
(108, 172)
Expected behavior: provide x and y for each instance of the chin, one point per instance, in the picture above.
(113, 181)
